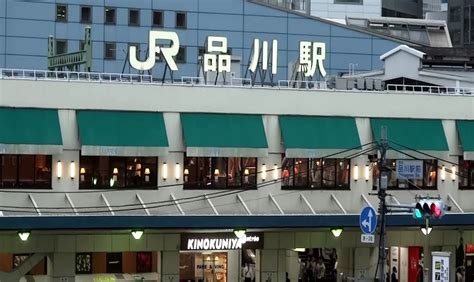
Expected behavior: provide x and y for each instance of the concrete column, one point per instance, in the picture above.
(365, 262)
(170, 266)
(273, 265)
(63, 267)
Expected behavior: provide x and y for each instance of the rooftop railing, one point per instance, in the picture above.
(92, 77)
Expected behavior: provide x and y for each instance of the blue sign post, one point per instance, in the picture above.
(368, 220)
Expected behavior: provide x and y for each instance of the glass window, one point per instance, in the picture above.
(61, 13)
(466, 174)
(86, 14)
(181, 56)
(61, 46)
(180, 20)
(429, 181)
(157, 18)
(25, 171)
(117, 172)
(133, 17)
(348, 1)
(315, 173)
(109, 50)
(9, 171)
(220, 173)
(110, 15)
(81, 44)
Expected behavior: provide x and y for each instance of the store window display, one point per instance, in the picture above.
(298, 173)
(203, 267)
(220, 173)
(429, 181)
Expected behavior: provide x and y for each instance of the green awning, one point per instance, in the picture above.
(315, 137)
(412, 135)
(30, 131)
(122, 133)
(224, 135)
(466, 137)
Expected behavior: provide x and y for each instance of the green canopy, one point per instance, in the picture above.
(224, 135)
(314, 136)
(466, 137)
(122, 133)
(30, 131)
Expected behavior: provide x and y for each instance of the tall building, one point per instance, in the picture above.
(461, 22)
(233, 150)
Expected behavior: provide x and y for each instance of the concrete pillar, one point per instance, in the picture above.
(63, 267)
(170, 266)
(273, 265)
(365, 262)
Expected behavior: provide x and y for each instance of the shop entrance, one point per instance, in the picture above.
(203, 267)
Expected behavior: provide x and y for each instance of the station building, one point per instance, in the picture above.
(120, 175)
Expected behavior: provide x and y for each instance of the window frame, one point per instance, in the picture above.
(180, 61)
(56, 46)
(89, 21)
(470, 171)
(58, 19)
(130, 10)
(114, 22)
(153, 182)
(307, 179)
(185, 25)
(198, 185)
(48, 186)
(348, 2)
(424, 187)
(114, 57)
(153, 18)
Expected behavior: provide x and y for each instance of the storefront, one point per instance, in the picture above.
(219, 257)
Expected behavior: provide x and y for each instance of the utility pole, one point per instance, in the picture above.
(382, 194)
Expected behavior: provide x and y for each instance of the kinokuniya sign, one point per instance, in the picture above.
(220, 241)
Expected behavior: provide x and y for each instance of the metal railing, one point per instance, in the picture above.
(439, 90)
(92, 77)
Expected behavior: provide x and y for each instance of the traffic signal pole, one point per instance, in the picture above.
(382, 195)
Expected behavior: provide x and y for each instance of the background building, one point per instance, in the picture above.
(461, 22)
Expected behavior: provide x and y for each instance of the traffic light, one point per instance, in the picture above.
(429, 208)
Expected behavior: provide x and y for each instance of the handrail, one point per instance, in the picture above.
(95, 77)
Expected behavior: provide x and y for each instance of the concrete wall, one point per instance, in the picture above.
(269, 102)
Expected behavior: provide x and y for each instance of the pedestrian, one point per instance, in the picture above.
(248, 273)
(394, 275)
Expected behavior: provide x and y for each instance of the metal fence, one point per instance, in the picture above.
(93, 77)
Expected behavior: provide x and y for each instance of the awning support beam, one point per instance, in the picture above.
(450, 198)
(244, 204)
(307, 203)
(364, 198)
(71, 203)
(143, 204)
(211, 204)
(334, 198)
(107, 204)
(178, 206)
(276, 203)
(34, 204)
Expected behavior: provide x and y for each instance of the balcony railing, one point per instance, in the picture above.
(92, 77)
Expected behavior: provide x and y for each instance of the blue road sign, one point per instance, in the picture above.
(368, 220)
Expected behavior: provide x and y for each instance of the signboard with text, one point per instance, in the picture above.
(409, 169)
(220, 241)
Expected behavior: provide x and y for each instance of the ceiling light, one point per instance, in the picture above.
(336, 232)
(137, 234)
(24, 235)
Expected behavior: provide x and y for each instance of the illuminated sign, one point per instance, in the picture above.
(216, 59)
(220, 241)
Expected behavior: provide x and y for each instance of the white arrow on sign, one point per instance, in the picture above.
(368, 224)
